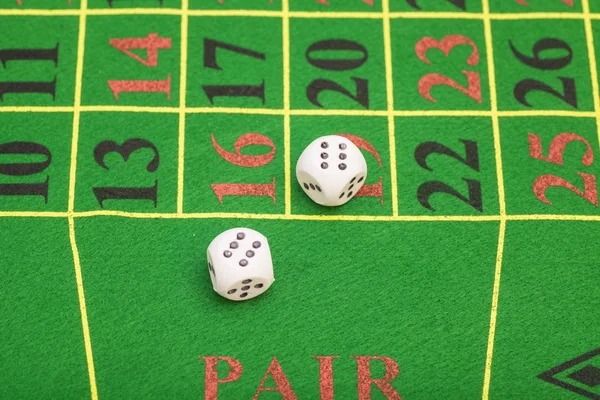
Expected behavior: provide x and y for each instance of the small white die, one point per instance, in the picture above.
(240, 265)
(331, 170)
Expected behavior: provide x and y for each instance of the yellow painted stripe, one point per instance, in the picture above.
(286, 107)
(293, 14)
(389, 79)
(501, 199)
(316, 112)
(182, 103)
(138, 215)
(494, 312)
(71, 203)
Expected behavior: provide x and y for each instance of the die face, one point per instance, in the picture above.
(331, 170)
(239, 264)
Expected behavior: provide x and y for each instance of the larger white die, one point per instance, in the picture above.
(331, 170)
(239, 263)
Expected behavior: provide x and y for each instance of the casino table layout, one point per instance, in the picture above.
(133, 132)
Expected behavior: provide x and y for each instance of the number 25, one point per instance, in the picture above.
(555, 156)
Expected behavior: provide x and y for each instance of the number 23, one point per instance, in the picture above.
(427, 82)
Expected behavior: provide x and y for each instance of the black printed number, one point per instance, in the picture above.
(471, 160)
(568, 92)
(126, 150)
(25, 55)
(317, 86)
(458, 3)
(210, 61)
(29, 150)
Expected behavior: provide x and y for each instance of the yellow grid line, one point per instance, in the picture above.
(339, 14)
(539, 15)
(316, 112)
(547, 113)
(39, 12)
(494, 107)
(494, 311)
(294, 217)
(133, 109)
(182, 102)
(296, 14)
(291, 217)
(501, 196)
(589, 35)
(34, 214)
(550, 217)
(83, 310)
(319, 112)
(389, 80)
(430, 15)
(41, 109)
(76, 111)
(286, 105)
(71, 202)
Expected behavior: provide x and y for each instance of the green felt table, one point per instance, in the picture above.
(132, 132)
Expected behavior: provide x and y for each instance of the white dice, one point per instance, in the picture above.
(239, 263)
(331, 170)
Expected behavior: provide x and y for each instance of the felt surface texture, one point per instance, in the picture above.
(418, 290)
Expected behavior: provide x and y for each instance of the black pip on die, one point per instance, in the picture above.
(331, 170)
(239, 263)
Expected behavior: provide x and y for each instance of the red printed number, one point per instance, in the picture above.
(374, 190)
(555, 156)
(118, 87)
(152, 43)
(248, 161)
(524, 3)
(473, 89)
